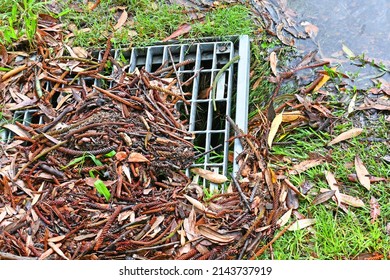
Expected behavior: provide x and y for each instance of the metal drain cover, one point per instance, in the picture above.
(209, 126)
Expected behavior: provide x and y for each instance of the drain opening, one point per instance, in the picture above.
(210, 128)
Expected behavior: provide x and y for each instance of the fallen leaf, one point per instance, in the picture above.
(333, 185)
(121, 155)
(305, 165)
(56, 248)
(15, 129)
(323, 81)
(306, 187)
(362, 173)
(310, 29)
(183, 29)
(373, 179)
(300, 224)
(210, 175)
(56, 239)
(214, 236)
(388, 229)
(137, 157)
(2, 215)
(273, 60)
(292, 116)
(80, 52)
(198, 205)
(37, 195)
(189, 225)
(346, 135)
(284, 219)
(322, 197)
(274, 128)
(351, 105)
(348, 52)
(375, 210)
(122, 19)
(350, 200)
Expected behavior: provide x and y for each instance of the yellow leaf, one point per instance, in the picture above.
(274, 128)
(362, 173)
(346, 135)
(348, 52)
(323, 80)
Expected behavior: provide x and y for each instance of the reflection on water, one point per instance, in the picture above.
(364, 26)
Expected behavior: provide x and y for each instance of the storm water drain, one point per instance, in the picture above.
(209, 126)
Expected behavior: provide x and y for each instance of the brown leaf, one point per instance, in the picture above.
(183, 29)
(189, 225)
(322, 197)
(121, 156)
(333, 185)
(56, 248)
(273, 60)
(15, 129)
(346, 135)
(3, 55)
(350, 200)
(292, 201)
(362, 173)
(137, 157)
(210, 175)
(198, 205)
(306, 187)
(80, 52)
(373, 179)
(375, 210)
(214, 236)
(122, 19)
(305, 165)
(310, 29)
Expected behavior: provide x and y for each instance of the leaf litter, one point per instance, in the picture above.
(148, 217)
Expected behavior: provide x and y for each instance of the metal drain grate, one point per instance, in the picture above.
(209, 127)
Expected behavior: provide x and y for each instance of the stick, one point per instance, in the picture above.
(262, 250)
(241, 193)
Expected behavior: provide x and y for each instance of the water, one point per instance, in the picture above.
(363, 26)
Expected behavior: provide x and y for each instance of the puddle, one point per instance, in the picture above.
(363, 26)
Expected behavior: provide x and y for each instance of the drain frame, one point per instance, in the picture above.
(209, 55)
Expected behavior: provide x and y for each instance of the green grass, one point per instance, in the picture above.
(338, 235)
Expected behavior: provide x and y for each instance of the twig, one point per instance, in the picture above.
(241, 193)
(152, 247)
(262, 250)
(9, 256)
(178, 79)
(44, 152)
(117, 98)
